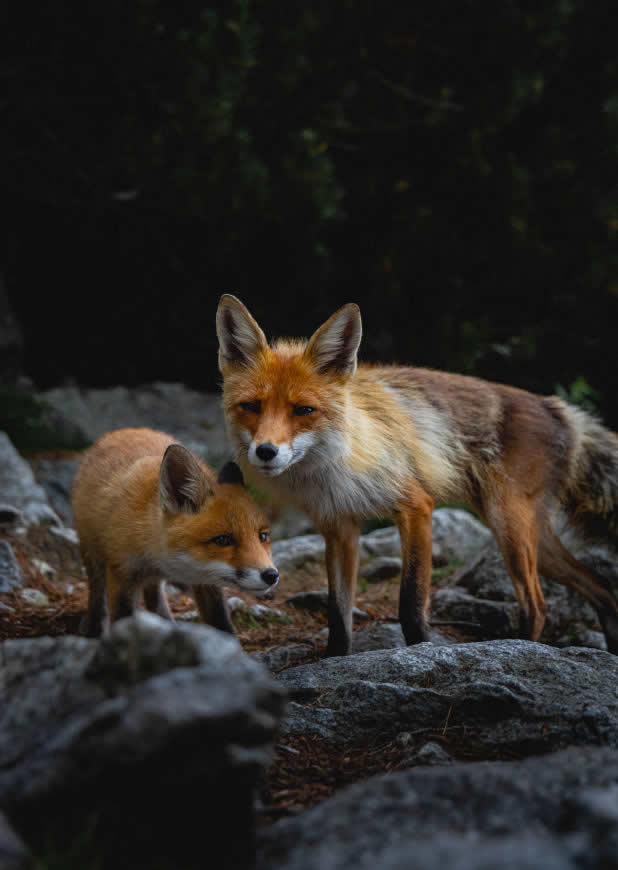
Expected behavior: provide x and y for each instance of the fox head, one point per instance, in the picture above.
(216, 534)
(287, 401)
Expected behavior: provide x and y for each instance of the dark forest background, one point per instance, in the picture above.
(451, 167)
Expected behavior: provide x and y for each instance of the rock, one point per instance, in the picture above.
(456, 536)
(236, 604)
(296, 552)
(19, 488)
(381, 542)
(194, 418)
(583, 637)
(315, 600)
(56, 477)
(11, 575)
(35, 597)
(44, 568)
(127, 729)
(478, 615)
(557, 812)
(13, 853)
(513, 694)
(281, 657)
(430, 754)
(262, 613)
(486, 579)
(381, 568)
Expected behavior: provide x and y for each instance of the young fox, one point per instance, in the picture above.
(346, 443)
(147, 510)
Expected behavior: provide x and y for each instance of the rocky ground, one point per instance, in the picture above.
(473, 751)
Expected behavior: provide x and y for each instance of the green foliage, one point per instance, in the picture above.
(579, 392)
(32, 424)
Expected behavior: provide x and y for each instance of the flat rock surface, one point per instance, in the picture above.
(513, 693)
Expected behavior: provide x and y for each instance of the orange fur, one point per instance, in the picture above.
(389, 440)
(136, 532)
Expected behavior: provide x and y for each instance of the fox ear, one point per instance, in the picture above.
(183, 486)
(240, 337)
(333, 347)
(231, 473)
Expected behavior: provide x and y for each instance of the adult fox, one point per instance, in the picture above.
(347, 442)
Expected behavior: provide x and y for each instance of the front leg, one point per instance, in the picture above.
(414, 522)
(156, 601)
(342, 570)
(213, 607)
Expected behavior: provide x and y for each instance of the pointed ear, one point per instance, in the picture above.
(183, 486)
(334, 346)
(231, 473)
(240, 338)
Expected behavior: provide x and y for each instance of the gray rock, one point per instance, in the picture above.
(315, 600)
(13, 853)
(34, 597)
(11, 575)
(456, 536)
(512, 694)
(381, 542)
(556, 812)
(430, 754)
(381, 568)
(583, 637)
(487, 618)
(19, 488)
(486, 579)
(153, 710)
(56, 477)
(281, 657)
(195, 418)
(296, 552)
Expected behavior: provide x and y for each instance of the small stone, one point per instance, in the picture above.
(430, 754)
(267, 614)
(35, 597)
(234, 603)
(44, 568)
(382, 568)
(188, 616)
(403, 739)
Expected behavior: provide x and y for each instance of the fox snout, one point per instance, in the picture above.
(255, 581)
(269, 458)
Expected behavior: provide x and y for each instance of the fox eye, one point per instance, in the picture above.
(303, 410)
(222, 541)
(264, 537)
(252, 407)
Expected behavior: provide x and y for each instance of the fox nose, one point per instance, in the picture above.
(270, 576)
(266, 452)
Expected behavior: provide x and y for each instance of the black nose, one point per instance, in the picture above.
(270, 576)
(266, 451)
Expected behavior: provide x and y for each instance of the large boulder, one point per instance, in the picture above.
(158, 731)
(558, 812)
(515, 694)
(195, 418)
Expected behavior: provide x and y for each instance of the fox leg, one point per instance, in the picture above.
(342, 569)
(556, 563)
(516, 530)
(96, 620)
(414, 523)
(121, 594)
(212, 607)
(156, 601)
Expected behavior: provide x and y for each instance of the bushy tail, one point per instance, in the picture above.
(590, 495)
